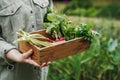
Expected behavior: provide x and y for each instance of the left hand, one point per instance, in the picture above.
(16, 56)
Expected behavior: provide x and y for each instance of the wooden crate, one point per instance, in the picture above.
(56, 51)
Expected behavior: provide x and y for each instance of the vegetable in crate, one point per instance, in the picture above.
(60, 26)
(36, 39)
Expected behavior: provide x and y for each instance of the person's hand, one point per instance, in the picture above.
(16, 56)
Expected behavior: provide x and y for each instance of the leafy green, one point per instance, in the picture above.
(60, 26)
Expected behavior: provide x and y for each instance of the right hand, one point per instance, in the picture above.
(16, 56)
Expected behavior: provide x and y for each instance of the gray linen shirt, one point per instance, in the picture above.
(27, 15)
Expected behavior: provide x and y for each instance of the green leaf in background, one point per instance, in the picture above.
(85, 60)
(112, 44)
(107, 66)
(116, 58)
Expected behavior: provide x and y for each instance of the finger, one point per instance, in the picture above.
(28, 53)
(48, 62)
(43, 64)
(30, 61)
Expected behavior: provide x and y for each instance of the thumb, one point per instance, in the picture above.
(28, 53)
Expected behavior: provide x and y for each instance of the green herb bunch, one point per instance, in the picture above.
(60, 26)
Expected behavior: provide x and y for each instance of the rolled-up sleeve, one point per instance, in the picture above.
(8, 27)
(4, 48)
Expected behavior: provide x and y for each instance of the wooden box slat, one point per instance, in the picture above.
(56, 51)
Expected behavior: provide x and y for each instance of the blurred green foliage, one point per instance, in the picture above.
(100, 62)
(89, 9)
(82, 3)
(111, 10)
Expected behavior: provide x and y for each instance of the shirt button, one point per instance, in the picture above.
(33, 26)
(43, 5)
(5, 51)
(12, 11)
(34, 68)
(31, 12)
(9, 67)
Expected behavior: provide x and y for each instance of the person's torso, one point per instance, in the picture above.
(27, 15)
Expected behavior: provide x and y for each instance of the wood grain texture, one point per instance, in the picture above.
(55, 51)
